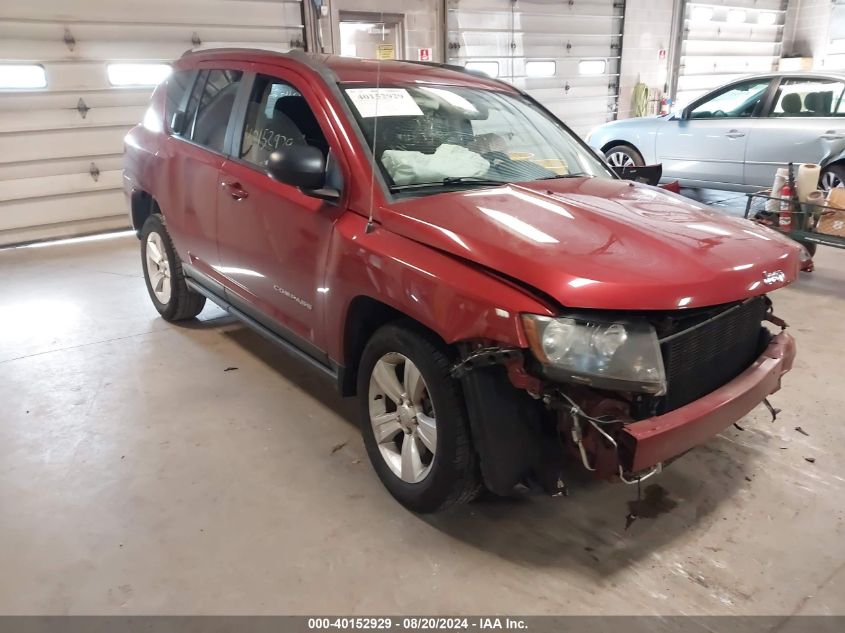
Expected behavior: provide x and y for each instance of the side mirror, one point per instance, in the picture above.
(685, 114)
(302, 166)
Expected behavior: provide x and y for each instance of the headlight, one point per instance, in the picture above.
(622, 356)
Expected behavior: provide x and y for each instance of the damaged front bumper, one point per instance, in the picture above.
(646, 443)
(517, 441)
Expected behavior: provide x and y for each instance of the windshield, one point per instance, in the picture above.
(449, 136)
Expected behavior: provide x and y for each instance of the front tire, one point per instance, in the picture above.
(832, 177)
(414, 420)
(622, 155)
(164, 276)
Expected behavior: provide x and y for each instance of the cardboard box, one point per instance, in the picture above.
(836, 198)
(832, 223)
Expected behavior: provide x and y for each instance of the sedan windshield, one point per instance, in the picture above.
(457, 137)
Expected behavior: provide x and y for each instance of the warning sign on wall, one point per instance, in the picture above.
(424, 55)
(386, 51)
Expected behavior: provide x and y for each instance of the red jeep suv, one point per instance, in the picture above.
(445, 249)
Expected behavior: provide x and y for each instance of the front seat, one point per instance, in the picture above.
(269, 135)
(297, 110)
(791, 104)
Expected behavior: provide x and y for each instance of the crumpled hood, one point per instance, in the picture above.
(599, 243)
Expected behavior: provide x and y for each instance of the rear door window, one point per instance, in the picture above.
(177, 85)
(210, 107)
(811, 97)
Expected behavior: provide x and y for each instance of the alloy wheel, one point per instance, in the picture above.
(402, 416)
(158, 268)
(620, 159)
(830, 180)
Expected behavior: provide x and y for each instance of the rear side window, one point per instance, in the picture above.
(177, 84)
(808, 98)
(210, 106)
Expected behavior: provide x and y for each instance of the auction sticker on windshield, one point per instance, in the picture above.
(371, 102)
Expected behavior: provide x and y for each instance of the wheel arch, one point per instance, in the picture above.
(364, 316)
(837, 160)
(610, 144)
(143, 205)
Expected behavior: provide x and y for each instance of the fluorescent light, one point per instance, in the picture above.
(491, 69)
(22, 76)
(702, 14)
(736, 16)
(138, 74)
(767, 18)
(540, 68)
(592, 66)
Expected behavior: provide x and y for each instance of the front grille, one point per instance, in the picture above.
(705, 358)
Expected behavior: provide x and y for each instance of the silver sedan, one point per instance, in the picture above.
(735, 137)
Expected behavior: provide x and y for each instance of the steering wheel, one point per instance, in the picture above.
(719, 113)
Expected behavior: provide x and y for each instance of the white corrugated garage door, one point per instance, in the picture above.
(565, 54)
(60, 146)
(726, 39)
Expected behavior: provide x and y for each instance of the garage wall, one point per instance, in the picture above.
(648, 30)
(513, 34)
(61, 159)
(719, 48)
(834, 55)
(807, 25)
(423, 20)
(816, 31)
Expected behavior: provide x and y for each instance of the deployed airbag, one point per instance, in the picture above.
(448, 161)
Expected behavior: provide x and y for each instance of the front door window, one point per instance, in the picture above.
(741, 100)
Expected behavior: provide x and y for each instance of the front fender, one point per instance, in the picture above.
(456, 300)
(460, 302)
(639, 133)
(834, 154)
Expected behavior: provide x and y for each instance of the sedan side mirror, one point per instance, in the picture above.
(685, 113)
(301, 166)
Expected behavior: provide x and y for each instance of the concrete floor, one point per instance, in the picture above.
(138, 476)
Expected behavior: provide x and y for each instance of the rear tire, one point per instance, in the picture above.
(623, 155)
(164, 276)
(406, 392)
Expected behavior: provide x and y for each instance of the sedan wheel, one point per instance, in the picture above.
(402, 416)
(622, 156)
(830, 179)
(620, 159)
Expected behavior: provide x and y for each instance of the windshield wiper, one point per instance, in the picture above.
(450, 180)
(564, 176)
(473, 180)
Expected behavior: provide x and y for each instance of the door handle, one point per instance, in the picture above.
(735, 134)
(235, 190)
(832, 135)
